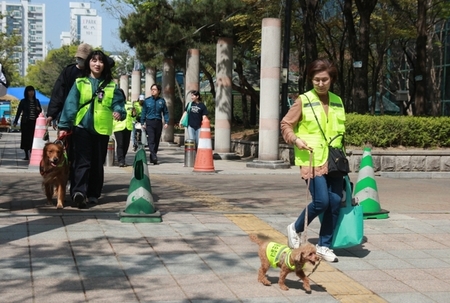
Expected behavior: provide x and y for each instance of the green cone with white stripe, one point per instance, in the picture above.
(140, 206)
(366, 191)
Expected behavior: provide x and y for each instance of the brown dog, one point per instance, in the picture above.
(289, 260)
(54, 168)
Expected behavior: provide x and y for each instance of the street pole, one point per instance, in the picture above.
(285, 67)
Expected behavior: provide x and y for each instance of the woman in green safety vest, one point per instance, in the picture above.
(317, 116)
(89, 110)
(122, 132)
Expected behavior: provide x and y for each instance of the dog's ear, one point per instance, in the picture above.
(298, 256)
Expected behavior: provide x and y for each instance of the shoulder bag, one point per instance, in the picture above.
(349, 229)
(185, 121)
(338, 165)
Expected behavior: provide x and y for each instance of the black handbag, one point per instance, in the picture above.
(338, 165)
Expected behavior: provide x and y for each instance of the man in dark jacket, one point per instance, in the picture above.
(65, 82)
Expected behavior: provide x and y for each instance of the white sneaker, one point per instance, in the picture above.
(326, 253)
(294, 240)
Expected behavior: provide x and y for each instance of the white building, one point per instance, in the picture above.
(27, 20)
(85, 24)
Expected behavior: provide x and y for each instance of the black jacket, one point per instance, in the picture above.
(61, 89)
(24, 110)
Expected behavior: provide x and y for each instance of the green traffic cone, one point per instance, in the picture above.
(140, 206)
(366, 191)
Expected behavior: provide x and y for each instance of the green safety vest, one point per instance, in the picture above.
(128, 122)
(308, 129)
(102, 112)
(274, 251)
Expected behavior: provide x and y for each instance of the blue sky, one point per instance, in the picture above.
(57, 20)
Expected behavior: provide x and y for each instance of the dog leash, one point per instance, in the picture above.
(305, 226)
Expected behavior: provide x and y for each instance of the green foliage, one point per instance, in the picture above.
(8, 46)
(393, 131)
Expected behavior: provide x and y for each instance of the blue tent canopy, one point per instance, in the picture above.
(18, 93)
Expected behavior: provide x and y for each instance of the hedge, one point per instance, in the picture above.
(395, 131)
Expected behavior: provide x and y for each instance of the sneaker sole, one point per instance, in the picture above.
(80, 201)
(328, 259)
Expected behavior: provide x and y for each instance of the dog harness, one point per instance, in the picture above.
(274, 251)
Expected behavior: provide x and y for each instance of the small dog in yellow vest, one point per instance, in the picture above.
(288, 260)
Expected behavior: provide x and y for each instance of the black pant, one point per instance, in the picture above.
(154, 130)
(123, 143)
(89, 154)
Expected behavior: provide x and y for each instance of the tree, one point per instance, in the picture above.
(10, 44)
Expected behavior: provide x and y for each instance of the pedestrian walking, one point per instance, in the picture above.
(196, 111)
(122, 133)
(154, 109)
(313, 112)
(28, 111)
(89, 110)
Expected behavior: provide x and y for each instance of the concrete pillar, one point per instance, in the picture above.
(192, 79)
(192, 72)
(168, 93)
(124, 84)
(224, 70)
(269, 124)
(135, 85)
(150, 79)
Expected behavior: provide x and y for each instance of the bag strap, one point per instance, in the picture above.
(320, 127)
(100, 87)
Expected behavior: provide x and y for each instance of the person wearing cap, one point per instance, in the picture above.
(153, 110)
(197, 112)
(64, 83)
(122, 132)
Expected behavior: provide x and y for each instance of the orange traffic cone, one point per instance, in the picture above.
(204, 158)
(38, 143)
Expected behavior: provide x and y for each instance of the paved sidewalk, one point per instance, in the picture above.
(201, 251)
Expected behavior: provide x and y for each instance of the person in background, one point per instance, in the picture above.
(89, 110)
(29, 110)
(313, 112)
(196, 114)
(64, 83)
(154, 109)
(122, 132)
(139, 137)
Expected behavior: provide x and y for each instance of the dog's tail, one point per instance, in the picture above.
(255, 238)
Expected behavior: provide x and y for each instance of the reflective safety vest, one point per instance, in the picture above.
(274, 251)
(101, 112)
(308, 129)
(128, 122)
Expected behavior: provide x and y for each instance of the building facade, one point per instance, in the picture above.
(85, 24)
(27, 20)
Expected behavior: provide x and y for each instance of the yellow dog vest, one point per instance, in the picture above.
(274, 252)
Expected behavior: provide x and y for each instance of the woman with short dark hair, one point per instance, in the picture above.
(29, 108)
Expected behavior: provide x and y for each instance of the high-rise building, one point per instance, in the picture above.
(85, 24)
(27, 20)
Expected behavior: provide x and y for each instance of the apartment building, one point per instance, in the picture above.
(27, 20)
(85, 25)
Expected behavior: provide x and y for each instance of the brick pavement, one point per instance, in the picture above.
(201, 251)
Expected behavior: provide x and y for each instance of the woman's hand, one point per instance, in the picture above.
(117, 116)
(302, 144)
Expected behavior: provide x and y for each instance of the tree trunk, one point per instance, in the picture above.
(420, 73)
